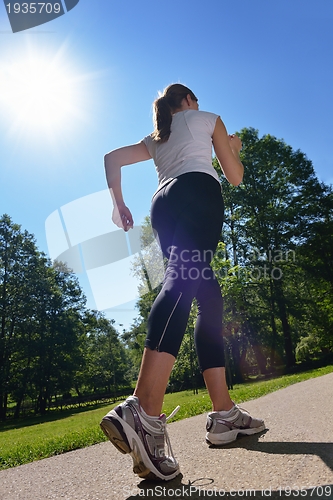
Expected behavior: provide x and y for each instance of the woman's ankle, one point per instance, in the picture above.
(224, 407)
(150, 407)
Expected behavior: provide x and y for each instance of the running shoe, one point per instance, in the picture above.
(132, 431)
(224, 427)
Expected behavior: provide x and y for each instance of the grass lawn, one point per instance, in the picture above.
(36, 438)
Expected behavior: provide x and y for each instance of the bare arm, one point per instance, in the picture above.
(113, 161)
(227, 152)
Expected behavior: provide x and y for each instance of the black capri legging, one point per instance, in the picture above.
(187, 217)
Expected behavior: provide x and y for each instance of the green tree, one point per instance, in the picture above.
(266, 221)
(59, 307)
(40, 310)
(106, 358)
(18, 253)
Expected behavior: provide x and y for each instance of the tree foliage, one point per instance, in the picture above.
(50, 343)
(272, 221)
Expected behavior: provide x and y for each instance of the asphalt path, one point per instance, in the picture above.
(292, 458)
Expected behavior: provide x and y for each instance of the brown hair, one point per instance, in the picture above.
(165, 106)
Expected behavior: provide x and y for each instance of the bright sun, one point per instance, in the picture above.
(38, 94)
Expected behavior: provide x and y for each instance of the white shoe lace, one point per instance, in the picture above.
(167, 439)
(173, 413)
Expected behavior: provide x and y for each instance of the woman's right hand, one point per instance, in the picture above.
(122, 217)
(235, 143)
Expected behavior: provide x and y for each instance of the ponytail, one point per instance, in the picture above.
(162, 119)
(165, 106)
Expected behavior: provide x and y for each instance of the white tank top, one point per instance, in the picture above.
(188, 149)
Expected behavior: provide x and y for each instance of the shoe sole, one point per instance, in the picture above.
(231, 436)
(122, 436)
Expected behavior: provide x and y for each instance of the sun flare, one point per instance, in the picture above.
(38, 94)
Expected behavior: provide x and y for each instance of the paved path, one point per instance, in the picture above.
(295, 452)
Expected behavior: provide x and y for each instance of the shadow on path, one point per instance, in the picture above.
(200, 488)
(322, 450)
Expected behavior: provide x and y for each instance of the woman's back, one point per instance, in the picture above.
(189, 147)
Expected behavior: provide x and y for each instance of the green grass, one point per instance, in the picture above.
(191, 404)
(33, 439)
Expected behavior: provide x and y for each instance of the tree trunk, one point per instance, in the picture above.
(288, 345)
(18, 406)
(273, 325)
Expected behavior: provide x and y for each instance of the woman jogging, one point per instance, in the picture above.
(186, 216)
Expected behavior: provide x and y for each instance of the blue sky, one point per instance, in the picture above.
(257, 63)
